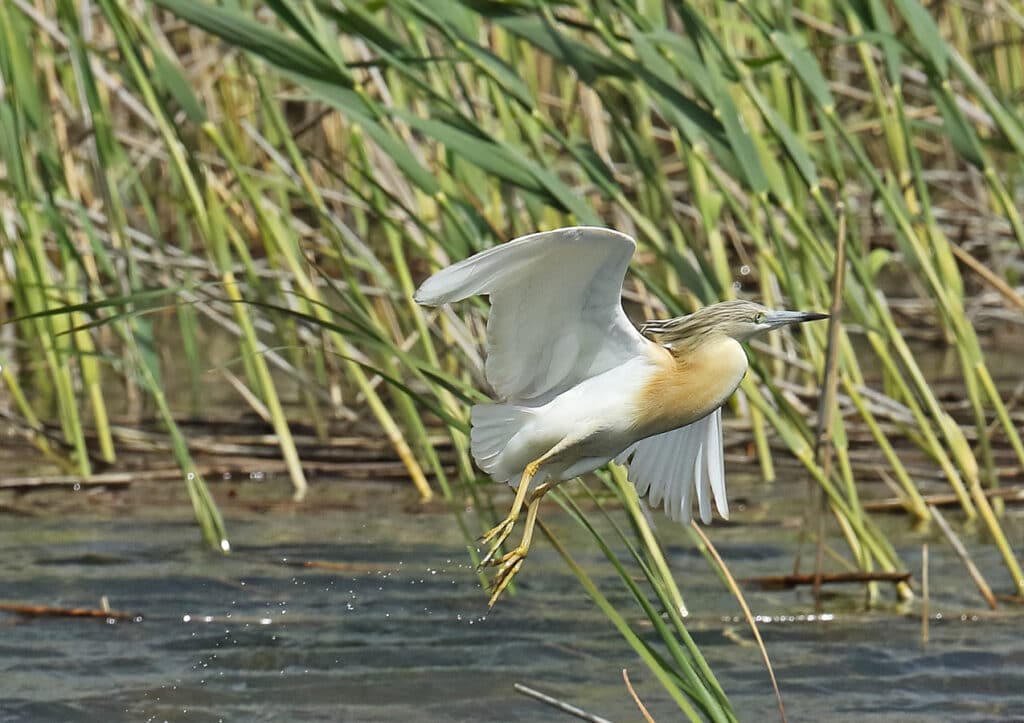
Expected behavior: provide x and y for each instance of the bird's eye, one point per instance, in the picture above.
(759, 318)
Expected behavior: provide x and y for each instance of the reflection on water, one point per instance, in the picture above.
(398, 631)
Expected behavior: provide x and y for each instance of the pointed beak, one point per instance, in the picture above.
(775, 319)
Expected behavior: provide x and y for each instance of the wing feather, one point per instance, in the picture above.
(675, 466)
(703, 486)
(658, 461)
(716, 462)
(672, 454)
(556, 308)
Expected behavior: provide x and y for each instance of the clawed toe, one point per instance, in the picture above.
(488, 559)
(510, 565)
(499, 533)
(500, 530)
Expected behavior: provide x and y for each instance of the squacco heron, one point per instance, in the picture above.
(578, 385)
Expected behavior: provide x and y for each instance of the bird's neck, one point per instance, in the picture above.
(682, 333)
(688, 383)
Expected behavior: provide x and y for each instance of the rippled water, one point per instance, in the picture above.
(400, 633)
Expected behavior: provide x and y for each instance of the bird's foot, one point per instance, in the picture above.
(510, 564)
(498, 534)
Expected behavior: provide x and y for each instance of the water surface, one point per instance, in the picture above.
(401, 631)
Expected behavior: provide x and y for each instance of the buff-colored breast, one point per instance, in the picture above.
(684, 388)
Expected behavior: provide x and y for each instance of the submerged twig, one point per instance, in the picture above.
(738, 594)
(965, 557)
(29, 610)
(785, 582)
(559, 704)
(636, 698)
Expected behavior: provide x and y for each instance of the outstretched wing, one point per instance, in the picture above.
(670, 467)
(556, 308)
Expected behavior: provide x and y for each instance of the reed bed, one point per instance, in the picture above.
(288, 172)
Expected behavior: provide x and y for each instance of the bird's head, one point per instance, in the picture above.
(739, 319)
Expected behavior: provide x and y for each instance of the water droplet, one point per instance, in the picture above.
(744, 270)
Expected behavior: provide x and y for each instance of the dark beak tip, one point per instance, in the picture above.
(806, 316)
(787, 318)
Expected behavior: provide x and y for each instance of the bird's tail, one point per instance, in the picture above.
(494, 427)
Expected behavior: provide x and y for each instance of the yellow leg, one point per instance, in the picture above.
(511, 562)
(500, 532)
(544, 488)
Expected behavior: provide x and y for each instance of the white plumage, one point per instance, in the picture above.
(655, 465)
(578, 385)
(569, 369)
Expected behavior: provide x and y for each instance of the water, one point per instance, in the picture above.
(401, 632)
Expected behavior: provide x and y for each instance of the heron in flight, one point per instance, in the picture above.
(579, 386)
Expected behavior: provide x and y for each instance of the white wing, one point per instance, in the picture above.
(556, 308)
(671, 466)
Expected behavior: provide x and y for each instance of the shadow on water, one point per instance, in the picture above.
(397, 630)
